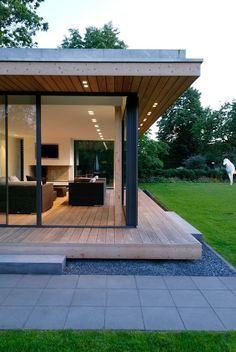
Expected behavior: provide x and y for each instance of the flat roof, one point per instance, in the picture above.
(158, 77)
(93, 55)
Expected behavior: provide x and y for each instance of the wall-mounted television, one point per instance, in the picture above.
(50, 151)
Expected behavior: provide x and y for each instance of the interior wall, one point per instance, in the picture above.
(66, 154)
(14, 157)
(2, 156)
(29, 155)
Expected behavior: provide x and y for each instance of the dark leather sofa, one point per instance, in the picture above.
(22, 197)
(83, 192)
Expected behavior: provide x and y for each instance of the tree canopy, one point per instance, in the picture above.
(192, 131)
(105, 37)
(150, 155)
(179, 127)
(19, 22)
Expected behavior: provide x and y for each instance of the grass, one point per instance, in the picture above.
(210, 207)
(93, 341)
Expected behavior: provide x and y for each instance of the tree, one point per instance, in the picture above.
(181, 127)
(19, 22)
(105, 37)
(150, 154)
(226, 127)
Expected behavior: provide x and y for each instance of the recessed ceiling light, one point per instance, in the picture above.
(85, 82)
(155, 105)
(139, 128)
(144, 120)
(94, 120)
(149, 113)
(100, 133)
(98, 129)
(86, 86)
(91, 112)
(96, 126)
(102, 138)
(141, 124)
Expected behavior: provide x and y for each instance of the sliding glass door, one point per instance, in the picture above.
(18, 160)
(3, 188)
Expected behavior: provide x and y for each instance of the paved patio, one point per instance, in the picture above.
(117, 302)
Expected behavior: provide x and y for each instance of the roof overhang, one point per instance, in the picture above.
(159, 77)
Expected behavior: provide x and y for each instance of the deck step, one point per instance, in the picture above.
(31, 264)
(187, 227)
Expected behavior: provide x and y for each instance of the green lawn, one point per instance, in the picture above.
(210, 207)
(93, 341)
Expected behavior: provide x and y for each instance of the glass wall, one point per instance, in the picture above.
(3, 202)
(21, 160)
(94, 158)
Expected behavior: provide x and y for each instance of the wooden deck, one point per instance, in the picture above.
(64, 214)
(156, 237)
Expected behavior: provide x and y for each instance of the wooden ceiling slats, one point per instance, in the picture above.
(148, 93)
(162, 89)
(178, 87)
(163, 95)
(142, 88)
(18, 84)
(135, 84)
(110, 83)
(102, 84)
(77, 84)
(127, 82)
(33, 83)
(93, 84)
(6, 84)
(118, 83)
(44, 83)
(61, 83)
(68, 83)
(84, 79)
(155, 97)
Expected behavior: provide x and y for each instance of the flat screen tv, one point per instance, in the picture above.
(49, 151)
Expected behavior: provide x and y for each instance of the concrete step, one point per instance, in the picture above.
(31, 264)
(187, 227)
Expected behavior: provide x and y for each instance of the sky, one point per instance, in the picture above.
(205, 28)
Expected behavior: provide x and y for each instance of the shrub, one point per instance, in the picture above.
(195, 162)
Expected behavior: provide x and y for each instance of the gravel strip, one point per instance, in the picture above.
(210, 265)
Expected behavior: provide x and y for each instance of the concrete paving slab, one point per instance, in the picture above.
(63, 281)
(150, 282)
(188, 298)
(121, 281)
(229, 282)
(13, 317)
(220, 298)
(9, 280)
(122, 298)
(208, 283)
(200, 319)
(85, 318)
(56, 297)
(92, 281)
(22, 297)
(162, 318)
(179, 282)
(124, 318)
(4, 293)
(156, 298)
(89, 297)
(33, 281)
(227, 316)
(50, 318)
(43, 302)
